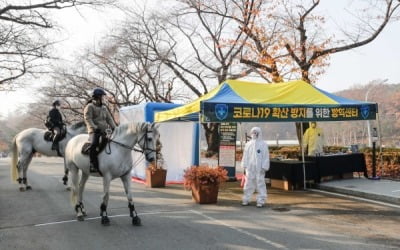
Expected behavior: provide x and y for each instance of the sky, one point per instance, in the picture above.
(378, 60)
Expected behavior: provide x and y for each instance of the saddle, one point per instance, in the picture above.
(49, 134)
(102, 144)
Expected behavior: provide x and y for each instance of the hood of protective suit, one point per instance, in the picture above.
(256, 133)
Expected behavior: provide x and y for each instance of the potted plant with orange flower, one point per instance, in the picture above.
(204, 181)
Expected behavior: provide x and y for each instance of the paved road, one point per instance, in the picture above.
(44, 219)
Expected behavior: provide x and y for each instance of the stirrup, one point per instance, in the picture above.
(93, 169)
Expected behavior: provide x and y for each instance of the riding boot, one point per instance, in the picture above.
(94, 162)
(54, 146)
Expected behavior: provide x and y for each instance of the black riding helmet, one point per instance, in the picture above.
(56, 103)
(98, 92)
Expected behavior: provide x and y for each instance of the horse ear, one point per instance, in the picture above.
(155, 125)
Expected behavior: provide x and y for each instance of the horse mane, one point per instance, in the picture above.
(134, 127)
(78, 125)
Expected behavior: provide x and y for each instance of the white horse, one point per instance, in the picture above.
(114, 162)
(30, 141)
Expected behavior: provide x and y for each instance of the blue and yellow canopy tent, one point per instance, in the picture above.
(242, 101)
(294, 101)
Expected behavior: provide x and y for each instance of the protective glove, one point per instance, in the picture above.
(243, 181)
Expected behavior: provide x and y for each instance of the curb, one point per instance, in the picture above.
(371, 196)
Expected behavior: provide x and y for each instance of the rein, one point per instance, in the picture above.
(144, 137)
(122, 145)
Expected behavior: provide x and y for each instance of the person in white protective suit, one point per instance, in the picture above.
(255, 162)
(313, 139)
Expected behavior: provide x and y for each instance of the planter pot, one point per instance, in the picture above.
(205, 193)
(156, 178)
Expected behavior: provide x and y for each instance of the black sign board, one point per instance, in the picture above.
(227, 148)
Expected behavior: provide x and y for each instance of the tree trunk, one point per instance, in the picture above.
(212, 138)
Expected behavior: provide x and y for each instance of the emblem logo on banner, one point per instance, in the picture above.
(364, 111)
(221, 111)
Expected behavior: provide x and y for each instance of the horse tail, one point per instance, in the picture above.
(14, 159)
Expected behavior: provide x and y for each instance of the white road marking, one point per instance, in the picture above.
(394, 191)
(357, 198)
(257, 237)
(111, 216)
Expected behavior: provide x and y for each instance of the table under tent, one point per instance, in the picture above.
(235, 101)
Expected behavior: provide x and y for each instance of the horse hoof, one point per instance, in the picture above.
(136, 221)
(65, 180)
(22, 189)
(105, 221)
(80, 218)
(28, 188)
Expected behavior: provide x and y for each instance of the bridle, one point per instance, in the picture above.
(145, 138)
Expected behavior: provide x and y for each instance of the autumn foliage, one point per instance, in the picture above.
(387, 163)
(204, 175)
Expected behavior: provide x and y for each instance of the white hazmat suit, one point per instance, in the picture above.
(255, 162)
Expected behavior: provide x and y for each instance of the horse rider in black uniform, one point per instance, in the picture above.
(56, 124)
(97, 118)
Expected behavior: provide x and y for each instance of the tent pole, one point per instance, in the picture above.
(199, 123)
(380, 143)
(302, 155)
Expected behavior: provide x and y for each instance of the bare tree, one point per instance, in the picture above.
(165, 57)
(199, 46)
(24, 41)
(194, 45)
(72, 84)
(135, 76)
(292, 39)
(126, 76)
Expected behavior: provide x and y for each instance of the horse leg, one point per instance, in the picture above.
(82, 184)
(132, 212)
(76, 199)
(22, 167)
(105, 221)
(19, 179)
(25, 178)
(65, 180)
(79, 208)
(65, 177)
